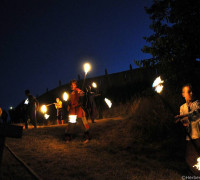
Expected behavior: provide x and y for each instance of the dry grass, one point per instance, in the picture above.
(140, 146)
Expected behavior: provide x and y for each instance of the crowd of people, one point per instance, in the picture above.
(82, 105)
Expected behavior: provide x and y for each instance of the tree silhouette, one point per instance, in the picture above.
(175, 43)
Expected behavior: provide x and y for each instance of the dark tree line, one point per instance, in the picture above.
(175, 43)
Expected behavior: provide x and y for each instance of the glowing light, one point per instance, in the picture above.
(44, 109)
(159, 88)
(46, 116)
(94, 85)
(108, 102)
(198, 164)
(65, 96)
(87, 67)
(26, 101)
(157, 85)
(72, 118)
(157, 82)
(11, 108)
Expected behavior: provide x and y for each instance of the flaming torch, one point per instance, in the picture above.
(72, 118)
(108, 102)
(65, 96)
(198, 164)
(87, 68)
(94, 85)
(46, 116)
(44, 109)
(158, 87)
(157, 84)
(26, 101)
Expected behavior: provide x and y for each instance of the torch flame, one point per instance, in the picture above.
(72, 118)
(26, 101)
(65, 96)
(159, 88)
(108, 102)
(46, 116)
(94, 85)
(44, 109)
(157, 84)
(87, 67)
(198, 164)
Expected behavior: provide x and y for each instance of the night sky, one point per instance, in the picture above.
(44, 41)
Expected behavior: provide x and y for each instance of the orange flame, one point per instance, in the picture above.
(44, 109)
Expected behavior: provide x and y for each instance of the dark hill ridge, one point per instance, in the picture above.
(119, 87)
(104, 82)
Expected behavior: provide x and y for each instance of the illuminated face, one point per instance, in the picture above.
(73, 86)
(187, 93)
(57, 99)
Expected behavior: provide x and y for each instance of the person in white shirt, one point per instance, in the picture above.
(190, 117)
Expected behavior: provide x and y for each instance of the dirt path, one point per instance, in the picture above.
(45, 151)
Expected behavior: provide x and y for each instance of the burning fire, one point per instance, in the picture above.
(44, 109)
(157, 84)
(108, 102)
(65, 96)
(72, 118)
(26, 101)
(87, 67)
(198, 164)
(46, 116)
(159, 88)
(94, 85)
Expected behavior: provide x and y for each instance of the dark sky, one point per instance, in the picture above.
(44, 41)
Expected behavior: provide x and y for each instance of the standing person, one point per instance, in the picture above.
(32, 106)
(190, 117)
(58, 106)
(90, 104)
(76, 109)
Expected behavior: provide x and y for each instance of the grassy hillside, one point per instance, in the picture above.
(143, 144)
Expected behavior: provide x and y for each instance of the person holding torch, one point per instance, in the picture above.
(190, 118)
(58, 106)
(32, 106)
(75, 108)
(90, 104)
